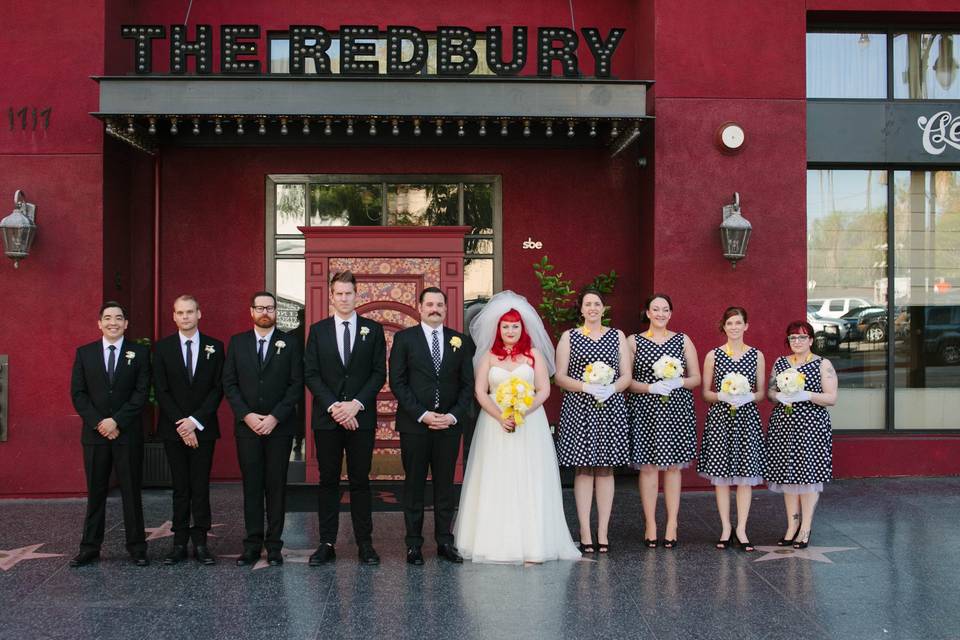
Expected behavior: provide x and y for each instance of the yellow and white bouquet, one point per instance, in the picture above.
(514, 397)
(667, 368)
(599, 373)
(790, 381)
(735, 384)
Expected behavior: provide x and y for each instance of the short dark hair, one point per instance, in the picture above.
(654, 296)
(262, 294)
(586, 291)
(733, 311)
(423, 294)
(186, 297)
(110, 304)
(344, 276)
(798, 326)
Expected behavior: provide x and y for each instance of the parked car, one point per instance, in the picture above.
(941, 337)
(865, 323)
(826, 333)
(835, 307)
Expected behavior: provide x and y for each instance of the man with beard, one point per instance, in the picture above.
(111, 379)
(345, 366)
(188, 372)
(263, 382)
(431, 374)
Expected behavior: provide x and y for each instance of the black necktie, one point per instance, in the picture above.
(435, 352)
(112, 364)
(189, 361)
(260, 351)
(346, 342)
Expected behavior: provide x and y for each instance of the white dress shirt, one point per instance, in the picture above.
(106, 353)
(266, 345)
(194, 349)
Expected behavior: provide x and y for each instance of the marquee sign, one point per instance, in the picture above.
(455, 48)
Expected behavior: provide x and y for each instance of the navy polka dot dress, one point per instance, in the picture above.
(732, 451)
(592, 435)
(662, 433)
(800, 445)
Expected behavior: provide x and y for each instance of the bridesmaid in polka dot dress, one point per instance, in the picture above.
(594, 430)
(663, 426)
(732, 453)
(799, 438)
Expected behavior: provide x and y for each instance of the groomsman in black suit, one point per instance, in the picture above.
(187, 373)
(109, 387)
(263, 382)
(345, 366)
(431, 374)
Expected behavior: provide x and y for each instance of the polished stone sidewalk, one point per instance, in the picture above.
(885, 563)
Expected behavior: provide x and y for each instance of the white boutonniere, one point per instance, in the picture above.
(210, 350)
(364, 332)
(456, 343)
(280, 344)
(130, 355)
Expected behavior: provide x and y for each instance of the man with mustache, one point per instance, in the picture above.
(431, 374)
(263, 382)
(345, 366)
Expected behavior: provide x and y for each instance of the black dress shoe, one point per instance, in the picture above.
(274, 558)
(177, 553)
(203, 555)
(449, 552)
(368, 554)
(324, 553)
(248, 557)
(414, 556)
(84, 557)
(139, 558)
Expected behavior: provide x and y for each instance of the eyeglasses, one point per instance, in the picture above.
(798, 337)
(269, 309)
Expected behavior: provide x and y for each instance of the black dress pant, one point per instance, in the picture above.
(98, 461)
(434, 451)
(190, 469)
(263, 465)
(358, 446)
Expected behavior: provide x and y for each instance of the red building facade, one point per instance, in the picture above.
(115, 222)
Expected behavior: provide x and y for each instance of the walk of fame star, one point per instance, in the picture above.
(810, 553)
(10, 557)
(165, 530)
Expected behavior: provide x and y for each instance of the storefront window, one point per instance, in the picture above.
(846, 65)
(927, 306)
(846, 288)
(925, 66)
(372, 202)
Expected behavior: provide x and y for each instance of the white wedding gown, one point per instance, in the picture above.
(511, 506)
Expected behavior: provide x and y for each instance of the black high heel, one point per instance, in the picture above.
(744, 545)
(651, 544)
(723, 544)
(787, 542)
(587, 548)
(671, 544)
(801, 544)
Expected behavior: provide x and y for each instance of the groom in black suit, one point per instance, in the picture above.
(263, 381)
(109, 387)
(431, 374)
(188, 368)
(345, 366)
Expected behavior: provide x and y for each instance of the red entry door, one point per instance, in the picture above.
(392, 265)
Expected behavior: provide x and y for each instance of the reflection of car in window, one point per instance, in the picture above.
(826, 333)
(866, 323)
(941, 335)
(835, 307)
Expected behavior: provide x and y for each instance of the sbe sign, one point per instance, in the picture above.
(407, 49)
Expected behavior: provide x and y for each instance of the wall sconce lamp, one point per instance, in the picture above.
(735, 232)
(19, 229)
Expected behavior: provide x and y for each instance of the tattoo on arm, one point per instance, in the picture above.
(829, 372)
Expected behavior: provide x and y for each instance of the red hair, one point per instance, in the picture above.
(523, 345)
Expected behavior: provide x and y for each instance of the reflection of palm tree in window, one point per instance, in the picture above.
(290, 204)
(335, 205)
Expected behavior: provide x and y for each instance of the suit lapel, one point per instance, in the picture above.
(271, 348)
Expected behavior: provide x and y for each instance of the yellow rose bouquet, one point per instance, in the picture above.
(514, 396)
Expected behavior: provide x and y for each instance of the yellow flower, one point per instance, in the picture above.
(456, 342)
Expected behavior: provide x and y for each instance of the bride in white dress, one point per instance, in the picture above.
(511, 506)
